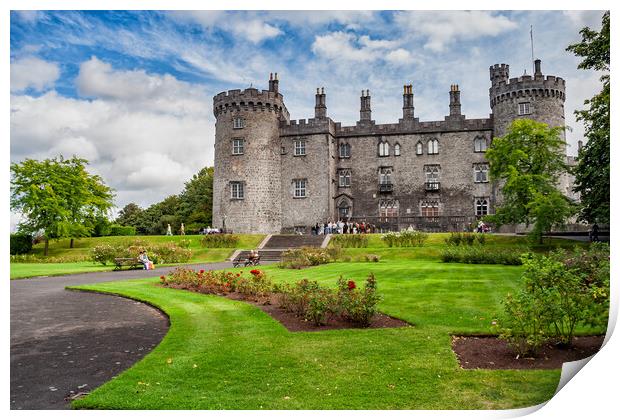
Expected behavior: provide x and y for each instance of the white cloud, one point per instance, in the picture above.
(441, 28)
(346, 46)
(144, 134)
(246, 25)
(32, 72)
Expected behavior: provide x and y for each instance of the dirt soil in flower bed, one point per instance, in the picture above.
(294, 323)
(490, 352)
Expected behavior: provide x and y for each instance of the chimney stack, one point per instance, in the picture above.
(320, 107)
(537, 71)
(408, 102)
(365, 112)
(455, 100)
(273, 82)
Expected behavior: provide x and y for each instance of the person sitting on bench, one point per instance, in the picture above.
(144, 259)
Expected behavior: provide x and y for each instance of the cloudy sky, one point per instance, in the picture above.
(132, 91)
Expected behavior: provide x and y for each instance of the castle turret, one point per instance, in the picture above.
(320, 108)
(455, 100)
(537, 97)
(365, 111)
(247, 187)
(408, 102)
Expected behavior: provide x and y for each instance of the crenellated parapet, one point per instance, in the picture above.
(307, 127)
(528, 86)
(415, 127)
(250, 99)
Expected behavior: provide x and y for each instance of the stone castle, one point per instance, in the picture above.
(276, 175)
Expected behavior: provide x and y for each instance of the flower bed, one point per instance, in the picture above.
(159, 254)
(307, 301)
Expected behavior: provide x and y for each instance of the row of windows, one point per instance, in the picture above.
(237, 189)
(431, 173)
(432, 147)
(428, 208)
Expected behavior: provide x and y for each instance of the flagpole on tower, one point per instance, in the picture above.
(532, 43)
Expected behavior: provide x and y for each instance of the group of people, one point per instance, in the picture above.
(169, 230)
(144, 259)
(341, 227)
(209, 230)
(482, 227)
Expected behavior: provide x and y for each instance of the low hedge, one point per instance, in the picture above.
(20, 243)
(482, 255)
(350, 241)
(118, 230)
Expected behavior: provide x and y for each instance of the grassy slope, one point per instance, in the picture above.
(227, 354)
(83, 246)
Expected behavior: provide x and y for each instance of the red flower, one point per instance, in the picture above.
(162, 277)
(351, 285)
(238, 274)
(255, 272)
(202, 271)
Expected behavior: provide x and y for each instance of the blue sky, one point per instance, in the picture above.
(132, 91)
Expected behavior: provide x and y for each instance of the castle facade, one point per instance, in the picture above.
(274, 175)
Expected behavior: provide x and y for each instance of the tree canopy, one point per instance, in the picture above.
(193, 207)
(528, 162)
(592, 170)
(58, 197)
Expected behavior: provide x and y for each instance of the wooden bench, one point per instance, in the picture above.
(245, 261)
(127, 262)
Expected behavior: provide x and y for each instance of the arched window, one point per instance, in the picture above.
(344, 209)
(345, 150)
(482, 206)
(419, 148)
(384, 148)
(433, 147)
(397, 149)
(480, 144)
(429, 208)
(388, 208)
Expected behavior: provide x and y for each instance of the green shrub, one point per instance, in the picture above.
(119, 230)
(350, 241)
(39, 259)
(158, 253)
(20, 243)
(219, 240)
(405, 238)
(561, 290)
(308, 256)
(481, 255)
(465, 239)
(257, 285)
(359, 306)
(104, 254)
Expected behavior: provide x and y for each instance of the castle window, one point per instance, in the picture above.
(388, 208)
(344, 209)
(481, 172)
(300, 147)
(524, 108)
(397, 149)
(385, 176)
(482, 206)
(419, 148)
(433, 147)
(480, 144)
(345, 150)
(300, 188)
(344, 178)
(431, 173)
(236, 190)
(237, 146)
(238, 122)
(429, 208)
(384, 148)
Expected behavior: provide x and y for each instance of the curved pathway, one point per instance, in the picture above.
(65, 342)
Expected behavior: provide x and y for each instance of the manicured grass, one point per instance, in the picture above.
(82, 246)
(24, 270)
(223, 354)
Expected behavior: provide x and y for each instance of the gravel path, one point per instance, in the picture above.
(65, 342)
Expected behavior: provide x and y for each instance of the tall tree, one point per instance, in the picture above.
(196, 200)
(129, 215)
(528, 162)
(592, 170)
(58, 197)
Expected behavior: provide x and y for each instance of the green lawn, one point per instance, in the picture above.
(223, 354)
(82, 247)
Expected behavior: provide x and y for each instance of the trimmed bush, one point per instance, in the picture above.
(119, 230)
(405, 238)
(481, 255)
(308, 256)
(350, 241)
(20, 243)
(465, 239)
(219, 240)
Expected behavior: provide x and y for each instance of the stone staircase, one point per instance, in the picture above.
(272, 247)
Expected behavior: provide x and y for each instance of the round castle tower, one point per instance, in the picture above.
(538, 98)
(246, 182)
